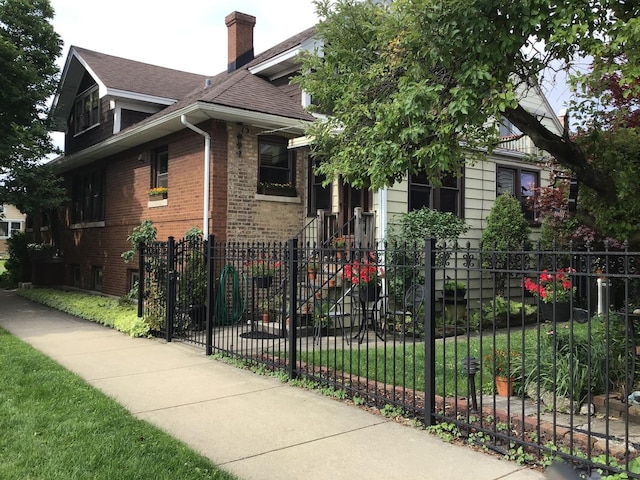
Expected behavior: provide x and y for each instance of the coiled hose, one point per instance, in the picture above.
(222, 316)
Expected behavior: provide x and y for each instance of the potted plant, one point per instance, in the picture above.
(367, 276)
(338, 244)
(158, 193)
(263, 307)
(502, 364)
(453, 288)
(555, 291)
(262, 272)
(312, 269)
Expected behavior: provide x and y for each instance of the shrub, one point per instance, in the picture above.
(579, 358)
(507, 229)
(18, 265)
(104, 310)
(405, 251)
(503, 312)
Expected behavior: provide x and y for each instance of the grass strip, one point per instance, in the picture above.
(56, 426)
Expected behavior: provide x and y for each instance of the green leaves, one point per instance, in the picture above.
(28, 49)
(417, 85)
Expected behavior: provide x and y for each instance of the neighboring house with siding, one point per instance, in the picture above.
(230, 151)
(11, 221)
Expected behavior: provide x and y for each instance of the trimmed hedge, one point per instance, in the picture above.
(95, 308)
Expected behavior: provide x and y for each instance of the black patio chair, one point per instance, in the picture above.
(411, 304)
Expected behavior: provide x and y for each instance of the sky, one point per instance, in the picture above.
(188, 35)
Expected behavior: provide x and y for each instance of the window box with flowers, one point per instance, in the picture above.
(280, 189)
(555, 291)
(158, 197)
(158, 193)
(367, 276)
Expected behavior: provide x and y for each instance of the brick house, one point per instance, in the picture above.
(228, 153)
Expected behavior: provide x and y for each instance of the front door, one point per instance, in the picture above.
(350, 198)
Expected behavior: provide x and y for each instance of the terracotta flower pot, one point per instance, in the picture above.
(504, 386)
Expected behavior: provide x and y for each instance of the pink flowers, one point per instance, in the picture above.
(551, 286)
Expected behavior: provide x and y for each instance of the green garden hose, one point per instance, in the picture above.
(222, 316)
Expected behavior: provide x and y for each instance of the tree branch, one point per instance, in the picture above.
(566, 152)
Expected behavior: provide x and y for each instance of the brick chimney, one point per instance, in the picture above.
(240, 34)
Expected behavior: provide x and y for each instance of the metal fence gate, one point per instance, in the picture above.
(173, 288)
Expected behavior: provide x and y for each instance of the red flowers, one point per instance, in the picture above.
(551, 286)
(364, 272)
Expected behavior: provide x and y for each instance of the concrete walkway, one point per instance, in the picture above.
(253, 426)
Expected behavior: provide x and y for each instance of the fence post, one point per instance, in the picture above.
(141, 280)
(171, 288)
(211, 298)
(292, 245)
(430, 332)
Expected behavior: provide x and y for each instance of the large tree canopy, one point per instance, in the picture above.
(417, 85)
(28, 49)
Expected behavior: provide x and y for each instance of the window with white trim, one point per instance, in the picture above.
(8, 229)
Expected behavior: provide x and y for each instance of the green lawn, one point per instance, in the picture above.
(2, 269)
(55, 426)
(401, 365)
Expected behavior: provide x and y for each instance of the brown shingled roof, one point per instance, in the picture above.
(139, 77)
(239, 89)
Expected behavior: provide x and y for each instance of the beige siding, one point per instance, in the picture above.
(10, 214)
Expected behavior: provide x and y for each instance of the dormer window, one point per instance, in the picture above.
(86, 110)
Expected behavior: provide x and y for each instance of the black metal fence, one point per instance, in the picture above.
(527, 353)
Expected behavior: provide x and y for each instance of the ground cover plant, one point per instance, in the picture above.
(108, 311)
(55, 426)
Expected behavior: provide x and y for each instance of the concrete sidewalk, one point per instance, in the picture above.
(255, 427)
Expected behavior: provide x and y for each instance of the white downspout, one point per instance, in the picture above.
(382, 213)
(207, 154)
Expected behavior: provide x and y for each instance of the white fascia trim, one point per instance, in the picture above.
(212, 111)
(137, 107)
(73, 53)
(140, 97)
(102, 89)
(247, 116)
(282, 73)
(274, 61)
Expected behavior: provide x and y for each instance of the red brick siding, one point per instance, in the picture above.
(235, 212)
(128, 181)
